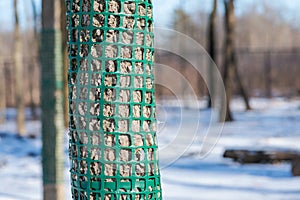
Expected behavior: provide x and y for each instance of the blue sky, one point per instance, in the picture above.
(163, 9)
(25, 10)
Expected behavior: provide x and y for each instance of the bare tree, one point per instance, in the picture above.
(184, 24)
(230, 62)
(268, 75)
(52, 101)
(18, 61)
(33, 64)
(240, 83)
(2, 90)
(211, 36)
(229, 58)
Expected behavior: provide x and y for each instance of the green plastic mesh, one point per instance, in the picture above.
(113, 149)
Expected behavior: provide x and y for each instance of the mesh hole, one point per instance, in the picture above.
(124, 140)
(125, 155)
(135, 126)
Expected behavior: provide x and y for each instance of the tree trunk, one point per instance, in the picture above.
(33, 87)
(268, 75)
(113, 147)
(10, 84)
(2, 92)
(242, 88)
(52, 101)
(230, 65)
(229, 59)
(18, 61)
(212, 49)
(32, 66)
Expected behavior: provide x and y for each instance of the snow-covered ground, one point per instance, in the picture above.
(186, 174)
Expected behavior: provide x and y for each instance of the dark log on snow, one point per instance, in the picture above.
(265, 157)
(296, 167)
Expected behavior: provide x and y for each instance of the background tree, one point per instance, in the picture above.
(182, 24)
(18, 62)
(229, 58)
(264, 26)
(268, 75)
(211, 37)
(2, 90)
(32, 67)
(230, 61)
(241, 86)
(52, 101)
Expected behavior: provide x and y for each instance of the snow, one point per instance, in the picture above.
(186, 173)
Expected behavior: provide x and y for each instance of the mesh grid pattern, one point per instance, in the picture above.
(111, 96)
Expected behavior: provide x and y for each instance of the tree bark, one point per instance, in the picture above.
(111, 143)
(212, 49)
(52, 101)
(268, 75)
(229, 59)
(242, 88)
(2, 92)
(18, 61)
(32, 66)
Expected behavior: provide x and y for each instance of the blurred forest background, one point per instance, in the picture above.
(267, 48)
(267, 45)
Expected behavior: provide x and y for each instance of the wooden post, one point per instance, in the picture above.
(52, 101)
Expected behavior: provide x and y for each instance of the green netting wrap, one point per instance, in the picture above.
(113, 148)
